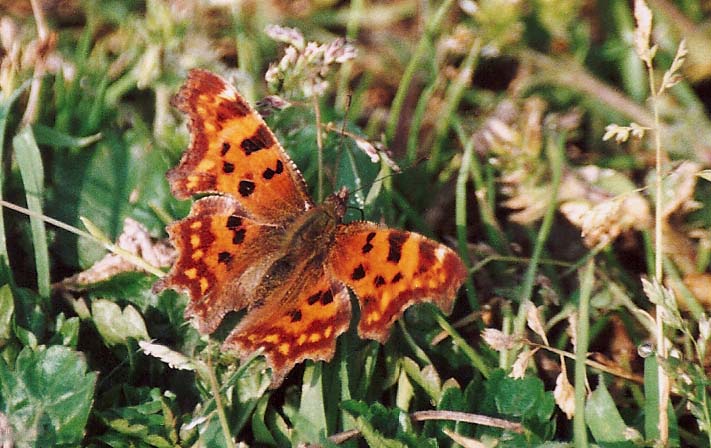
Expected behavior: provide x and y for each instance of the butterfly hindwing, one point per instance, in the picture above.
(220, 253)
(301, 324)
(389, 270)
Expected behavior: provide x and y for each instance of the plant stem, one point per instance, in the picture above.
(581, 352)
(319, 146)
(663, 391)
(554, 149)
(218, 405)
(421, 50)
(460, 214)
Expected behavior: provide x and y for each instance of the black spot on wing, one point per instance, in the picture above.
(427, 256)
(245, 188)
(225, 148)
(379, 281)
(314, 298)
(367, 247)
(358, 273)
(269, 173)
(260, 140)
(326, 297)
(224, 257)
(238, 236)
(228, 167)
(396, 278)
(395, 241)
(231, 109)
(233, 222)
(295, 315)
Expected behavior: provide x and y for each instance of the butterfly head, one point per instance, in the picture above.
(336, 203)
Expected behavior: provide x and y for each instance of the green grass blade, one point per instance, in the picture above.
(580, 432)
(50, 136)
(453, 97)
(28, 159)
(460, 213)
(651, 401)
(423, 47)
(555, 148)
(4, 114)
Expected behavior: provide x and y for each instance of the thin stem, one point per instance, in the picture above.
(658, 262)
(554, 148)
(581, 352)
(618, 372)
(319, 145)
(467, 350)
(31, 110)
(420, 52)
(420, 416)
(460, 214)
(108, 245)
(218, 405)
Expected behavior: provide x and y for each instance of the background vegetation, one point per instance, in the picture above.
(584, 319)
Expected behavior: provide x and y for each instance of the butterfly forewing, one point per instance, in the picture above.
(232, 151)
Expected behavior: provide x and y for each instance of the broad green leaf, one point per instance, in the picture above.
(261, 432)
(604, 420)
(312, 406)
(116, 326)
(47, 396)
(520, 397)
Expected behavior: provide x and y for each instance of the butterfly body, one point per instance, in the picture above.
(263, 245)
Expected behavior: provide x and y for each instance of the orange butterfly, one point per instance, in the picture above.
(260, 242)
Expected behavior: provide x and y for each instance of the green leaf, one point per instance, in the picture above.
(7, 310)
(116, 326)
(604, 420)
(5, 107)
(66, 331)
(427, 378)
(47, 396)
(261, 432)
(29, 160)
(95, 182)
(520, 397)
(148, 422)
(312, 406)
(651, 398)
(50, 136)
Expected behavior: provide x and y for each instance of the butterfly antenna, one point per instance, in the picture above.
(414, 164)
(360, 210)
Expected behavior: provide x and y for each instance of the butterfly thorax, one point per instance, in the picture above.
(318, 225)
(305, 246)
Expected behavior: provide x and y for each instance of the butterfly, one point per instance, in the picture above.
(258, 241)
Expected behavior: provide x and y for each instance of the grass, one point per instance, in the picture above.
(584, 315)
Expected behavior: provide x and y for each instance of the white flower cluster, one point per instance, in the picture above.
(305, 65)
